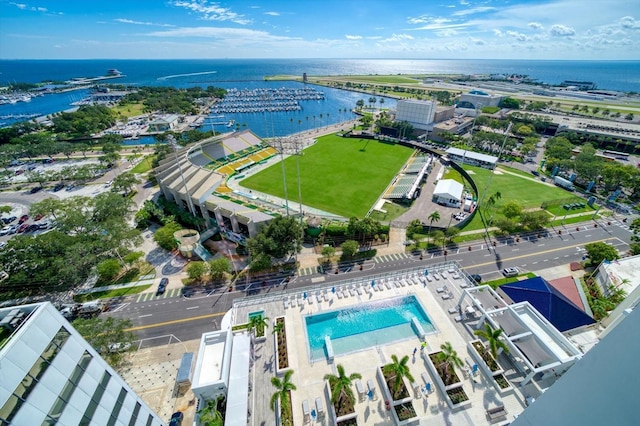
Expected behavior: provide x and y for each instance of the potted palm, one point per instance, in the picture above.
(280, 337)
(442, 366)
(486, 356)
(281, 398)
(342, 397)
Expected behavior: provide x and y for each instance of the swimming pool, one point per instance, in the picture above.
(364, 326)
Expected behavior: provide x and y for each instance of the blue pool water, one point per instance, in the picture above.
(365, 325)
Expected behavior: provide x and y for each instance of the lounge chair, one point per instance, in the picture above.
(437, 278)
(443, 275)
(310, 299)
(339, 293)
(326, 296)
(458, 318)
(428, 277)
(454, 310)
(447, 296)
(360, 390)
(318, 297)
(305, 409)
(286, 302)
(372, 389)
(319, 408)
(357, 287)
(441, 289)
(387, 284)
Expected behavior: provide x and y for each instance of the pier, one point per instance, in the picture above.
(269, 100)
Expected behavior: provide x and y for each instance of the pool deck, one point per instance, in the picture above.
(308, 376)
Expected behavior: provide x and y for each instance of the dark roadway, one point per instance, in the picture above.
(186, 318)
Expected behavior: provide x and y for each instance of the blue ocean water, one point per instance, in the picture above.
(247, 73)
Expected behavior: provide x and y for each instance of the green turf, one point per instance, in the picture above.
(344, 176)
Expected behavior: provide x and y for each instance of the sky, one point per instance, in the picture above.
(397, 29)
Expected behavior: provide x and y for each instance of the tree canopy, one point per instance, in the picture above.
(102, 334)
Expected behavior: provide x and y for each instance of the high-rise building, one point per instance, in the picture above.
(50, 375)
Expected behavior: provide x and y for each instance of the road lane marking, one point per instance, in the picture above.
(177, 321)
(193, 307)
(143, 316)
(540, 253)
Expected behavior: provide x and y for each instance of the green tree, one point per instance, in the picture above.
(209, 415)
(219, 267)
(283, 387)
(349, 248)
(340, 386)
(433, 217)
(101, 334)
(108, 269)
(447, 360)
(493, 338)
(132, 257)
(415, 227)
(598, 252)
(164, 236)
(510, 103)
(280, 238)
(399, 370)
(257, 325)
(328, 252)
(125, 182)
(197, 270)
(512, 209)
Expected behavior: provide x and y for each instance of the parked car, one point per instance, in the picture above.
(32, 228)
(162, 286)
(23, 218)
(5, 230)
(23, 228)
(477, 278)
(176, 419)
(7, 220)
(44, 225)
(510, 272)
(58, 187)
(13, 228)
(38, 217)
(35, 189)
(535, 173)
(70, 187)
(2, 244)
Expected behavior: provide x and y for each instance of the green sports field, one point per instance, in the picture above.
(344, 176)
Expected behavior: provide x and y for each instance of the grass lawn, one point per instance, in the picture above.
(129, 110)
(393, 211)
(344, 176)
(144, 166)
(524, 190)
(81, 298)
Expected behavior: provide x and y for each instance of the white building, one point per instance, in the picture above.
(474, 158)
(623, 274)
(477, 99)
(420, 114)
(448, 192)
(50, 375)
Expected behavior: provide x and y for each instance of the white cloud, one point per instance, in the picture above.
(353, 37)
(561, 31)
(399, 37)
(130, 21)
(19, 5)
(628, 22)
(535, 25)
(448, 32)
(518, 36)
(241, 35)
(212, 11)
(498, 33)
(473, 11)
(477, 41)
(272, 13)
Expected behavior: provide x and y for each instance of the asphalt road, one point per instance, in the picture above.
(156, 318)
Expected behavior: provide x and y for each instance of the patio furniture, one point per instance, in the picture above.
(319, 408)
(428, 277)
(441, 289)
(443, 275)
(357, 287)
(454, 310)
(372, 389)
(360, 390)
(458, 318)
(286, 302)
(447, 296)
(497, 412)
(305, 409)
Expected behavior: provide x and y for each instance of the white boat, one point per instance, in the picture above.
(231, 123)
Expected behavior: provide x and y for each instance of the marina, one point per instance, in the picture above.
(265, 100)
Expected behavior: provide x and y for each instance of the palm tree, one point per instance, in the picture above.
(341, 386)
(209, 414)
(493, 338)
(283, 388)
(433, 217)
(399, 369)
(257, 325)
(278, 327)
(446, 359)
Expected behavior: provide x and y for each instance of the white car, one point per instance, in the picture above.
(5, 230)
(510, 272)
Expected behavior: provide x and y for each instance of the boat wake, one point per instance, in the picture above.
(167, 77)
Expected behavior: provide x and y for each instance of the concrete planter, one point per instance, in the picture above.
(495, 375)
(446, 390)
(333, 417)
(284, 365)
